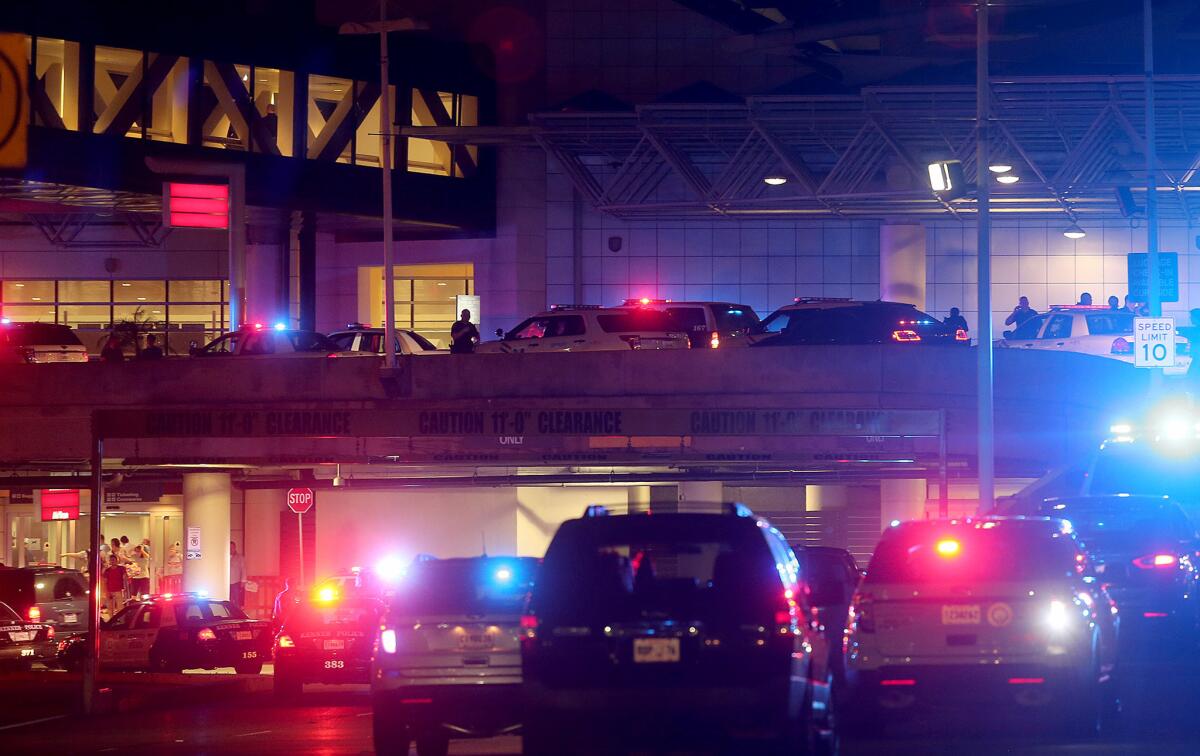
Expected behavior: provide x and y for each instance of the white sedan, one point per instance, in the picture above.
(1089, 330)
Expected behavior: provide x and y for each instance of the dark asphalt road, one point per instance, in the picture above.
(330, 720)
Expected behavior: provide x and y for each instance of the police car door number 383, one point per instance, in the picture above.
(335, 664)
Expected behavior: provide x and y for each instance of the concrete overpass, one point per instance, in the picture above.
(821, 410)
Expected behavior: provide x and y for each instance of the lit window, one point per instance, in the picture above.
(330, 104)
(430, 108)
(56, 84)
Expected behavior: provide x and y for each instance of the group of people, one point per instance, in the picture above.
(126, 571)
(1023, 312)
(114, 352)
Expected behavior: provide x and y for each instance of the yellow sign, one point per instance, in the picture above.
(14, 102)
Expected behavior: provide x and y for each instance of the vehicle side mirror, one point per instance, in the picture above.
(827, 592)
(500, 332)
(1007, 334)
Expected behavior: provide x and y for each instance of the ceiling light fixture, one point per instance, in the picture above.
(775, 180)
(1008, 178)
(1074, 232)
(999, 166)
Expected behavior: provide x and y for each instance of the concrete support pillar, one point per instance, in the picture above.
(902, 263)
(267, 268)
(819, 498)
(206, 505)
(261, 538)
(701, 496)
(901, 500)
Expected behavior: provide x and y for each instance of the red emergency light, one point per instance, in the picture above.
(196, 205)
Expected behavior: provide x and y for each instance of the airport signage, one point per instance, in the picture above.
(60, 504)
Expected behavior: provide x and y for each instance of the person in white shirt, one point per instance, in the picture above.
(237, 576)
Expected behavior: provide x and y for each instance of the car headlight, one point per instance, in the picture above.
(1058, 617)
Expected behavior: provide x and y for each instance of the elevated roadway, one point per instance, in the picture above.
(870, 411)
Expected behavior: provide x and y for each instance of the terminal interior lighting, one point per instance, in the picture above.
(1000, 166)
(1008, 178)
(1074, 232)
(775, 180)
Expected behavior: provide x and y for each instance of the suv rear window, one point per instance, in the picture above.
(199, 612)
(1141, 469)
(637, 320)
(1001, 553)
(465, 586)
(622, 567)
(1107, 526)
(691, 318)
(34, 334)
(7, 614)
(735, 317)
(56, 587)
(342, 613)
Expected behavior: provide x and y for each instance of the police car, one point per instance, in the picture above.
(590, 328)
(1087, 329)
(981, 611)
(173, 632)
(327, 639)
(23, 642)
(357, 337)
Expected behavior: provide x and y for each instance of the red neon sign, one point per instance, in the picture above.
(60, 504)
(196, 205)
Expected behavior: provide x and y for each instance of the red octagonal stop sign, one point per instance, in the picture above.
(300, 500)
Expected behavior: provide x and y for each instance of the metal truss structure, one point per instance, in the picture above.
(1072, 142)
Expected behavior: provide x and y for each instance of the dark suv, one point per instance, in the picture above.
(673, 626)
(1144, 548)
(846, 321)
(53, 595)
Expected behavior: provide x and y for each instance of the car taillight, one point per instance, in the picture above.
(905, 336)
(1156, 561)
(714, 341)
(785, 614)
(634, 342)
(529, 625)
(206, 634)
(387, 641)
(960, 334)
(1121, 346)
(285, 641)
(35, 614)
(862, 615)
(49, 633)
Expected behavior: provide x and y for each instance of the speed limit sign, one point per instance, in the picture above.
(1154, 342)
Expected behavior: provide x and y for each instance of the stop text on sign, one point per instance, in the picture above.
(300, 500)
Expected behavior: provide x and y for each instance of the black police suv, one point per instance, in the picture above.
(23, 642)
(1145, 551)
(679, 626)
(326, 640)
(49, 594)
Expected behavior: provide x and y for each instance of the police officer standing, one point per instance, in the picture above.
(463, 335)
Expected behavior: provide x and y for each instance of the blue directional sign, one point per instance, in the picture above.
(1168, 276)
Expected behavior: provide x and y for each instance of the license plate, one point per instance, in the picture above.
(27, 652)
(21, 636)
(476, 641)
(70, 619)
(655, 650)
(961, 614)
(331, 645)
(243, 635)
